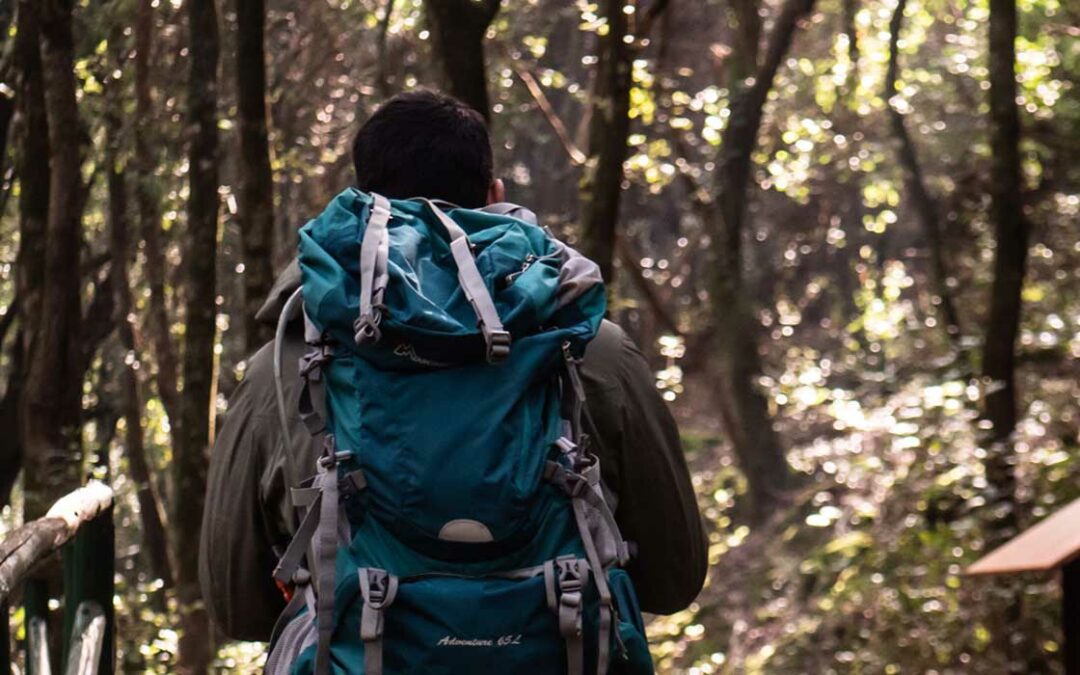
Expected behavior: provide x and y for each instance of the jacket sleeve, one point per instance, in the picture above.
(642, 462)
(239, 533)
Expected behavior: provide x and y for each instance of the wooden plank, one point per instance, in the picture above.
(25, 547)
(1046, 546)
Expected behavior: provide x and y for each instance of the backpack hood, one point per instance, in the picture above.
(536, 283)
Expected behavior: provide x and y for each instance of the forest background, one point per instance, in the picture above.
(844, 233)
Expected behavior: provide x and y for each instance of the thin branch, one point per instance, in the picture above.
(650, 16)
(577, 157)
(646, 287)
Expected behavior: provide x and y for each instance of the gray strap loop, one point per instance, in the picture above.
(472, 283)
(374, 249)
(378, 589)
(573, 576)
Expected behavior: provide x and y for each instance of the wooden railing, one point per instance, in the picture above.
(80, 524)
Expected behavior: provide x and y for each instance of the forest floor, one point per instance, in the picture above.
(863, 572)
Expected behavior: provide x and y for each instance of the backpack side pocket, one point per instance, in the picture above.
(630, 653)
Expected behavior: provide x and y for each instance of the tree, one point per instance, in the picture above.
(200, 261)
(609, 125)
(1011, 232)
(150, 509)
(458, 29)
(256, 177)
(743, 407)
(32, 168)
(924, 203)
(149, 212)
(52, 409)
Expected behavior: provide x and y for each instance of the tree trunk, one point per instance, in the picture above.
(609, 126)
(744, 409)
(200, 258)
(745, 22)
(1010, 256)
(32, 167)
(256, 176)
(458, 29)
(386, 85)
(147, 202)
(53, 395)
(150, 511)
(915, 185)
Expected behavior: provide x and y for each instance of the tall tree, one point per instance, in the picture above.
(256, 177)
(924, 203)
(1010, 253)
(150, 511)
(743, 407)
(609, 126)
(52, 408)
(200, 278)
(458, 28)
(149, 213)
(32, 167)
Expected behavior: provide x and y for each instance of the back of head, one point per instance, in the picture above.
(424, 144)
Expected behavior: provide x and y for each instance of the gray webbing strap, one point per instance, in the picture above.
(600, 577)
(549, 584)
(312, 403)
(512, 210)
(290, 560)
(374, 249)
(326, 540)
(573, 395)
(472, 284)
(378, 589)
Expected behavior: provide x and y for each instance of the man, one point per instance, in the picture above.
(426, 144)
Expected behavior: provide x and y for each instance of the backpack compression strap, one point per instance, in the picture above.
(374, 250)
(496, 337)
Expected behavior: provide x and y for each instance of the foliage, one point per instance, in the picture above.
(862, 571)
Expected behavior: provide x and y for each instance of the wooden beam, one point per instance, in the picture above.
(28, 545)
(1048, 545)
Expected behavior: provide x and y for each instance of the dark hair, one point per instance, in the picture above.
(425, 144)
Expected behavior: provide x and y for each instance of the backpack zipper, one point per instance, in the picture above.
(529, 260)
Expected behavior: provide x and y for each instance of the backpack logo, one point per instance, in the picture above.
(408, 351)
(501, 641)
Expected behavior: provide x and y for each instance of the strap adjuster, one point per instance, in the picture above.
(367, 328)
(498, 345)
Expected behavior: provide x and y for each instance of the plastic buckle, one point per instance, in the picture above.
(570, 575)
(378, 584)
(498, 346)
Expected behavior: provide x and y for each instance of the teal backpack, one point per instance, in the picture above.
(456, 522)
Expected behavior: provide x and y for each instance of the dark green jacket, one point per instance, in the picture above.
(249, 520)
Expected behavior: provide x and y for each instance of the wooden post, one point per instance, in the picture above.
(88, 575)
(36, 604)
(5, 639)
(1070, 615)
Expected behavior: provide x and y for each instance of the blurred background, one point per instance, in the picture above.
(843, 232)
